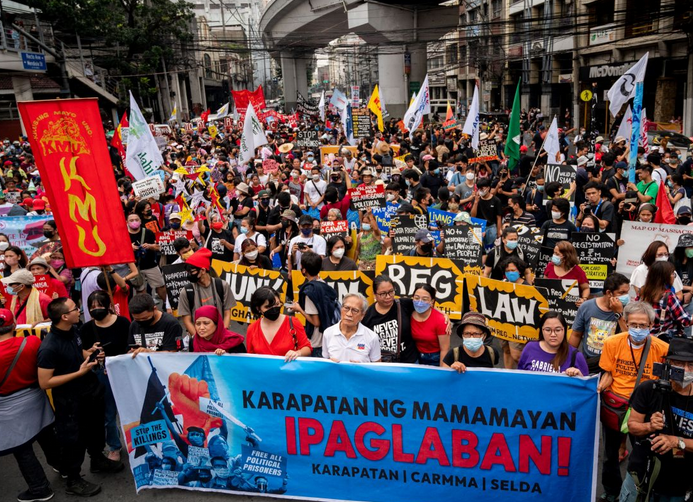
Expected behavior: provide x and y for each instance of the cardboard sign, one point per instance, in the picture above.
(148, 187)
(329, 229)
(512, 310)
(543, 259)
(562, 296)
(270, 166)
(564, 174)
(307, 139)
(529, 241)
(244, 282)
(487, 151)
(362, 122)
(165, 240)
(175, 278)
(595, 251)
(43, 284)
(465, 243)
(441, 273)
(363, 197)
(405, 227)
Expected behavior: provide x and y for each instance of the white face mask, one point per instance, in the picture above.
(338, 253)
(470, 176)
(4, 245)
(556, 215)
(251, 255)
(687, 379)
(316, 177)
(482, 193)
(390, 196)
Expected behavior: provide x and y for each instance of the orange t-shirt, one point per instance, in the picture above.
(617, 359)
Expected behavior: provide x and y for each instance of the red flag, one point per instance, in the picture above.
(665, 213)
(204, 115)
(66, 137)
(117, 141)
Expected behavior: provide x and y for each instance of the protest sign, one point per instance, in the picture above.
(543, 259)
(464, 243)
(437, 215)
(331, 228)
(365, 196)
(43, 284)
(405, 227)
(375, 432)
(306, 106)
(383, 215)
(487, 151)
(513, 310)
(563, 174)
(529, 241)
(562, 296)
(165, 240)
(270, 166)
(343, 282)
(25, 232)
(244, 282)
(637, 236)
(595, 251)
(175, 278)
(307, 139)
(441, 273)
(148, 187)
(362, 122)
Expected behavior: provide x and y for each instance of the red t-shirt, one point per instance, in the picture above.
(426, 333)
(282, 343)
(575, 274)
(59, 287)
(44, 300)
(342, 205)
(120, 302)
(25, 372)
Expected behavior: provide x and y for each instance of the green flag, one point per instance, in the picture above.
(512, 142)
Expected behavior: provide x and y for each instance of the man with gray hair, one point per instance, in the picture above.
(627, 359)
(349, 340)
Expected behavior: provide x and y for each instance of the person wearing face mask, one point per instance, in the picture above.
(145, 247)
(28, 304)
(338, 180)
(432, 179)
(144, 210)
(304, 242)
(217, 235)
(626, 360)
(151, 329)
(251, 257)
(109, 331)
(473, 330)
(203, 289)
(411, 178)
(369, 242)
(683, 215)
(119, 289)
(565, 265)
(248, 231)
(335, 259)
(559, 227)
(590, 224)
(660, 426)
(275, 334)
(183, 248)
(683, 260)
(599, 318)
(671, 318)
(334, 201)
(428, 326)
(392, 193)
(487, 207)
(315, 191)
(39, 267)
(284, 203)
(507, 247)
(656, 251)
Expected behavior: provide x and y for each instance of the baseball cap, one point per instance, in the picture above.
(21, 276)
(423, 235)
(6, 317)
(174, 216)
(582, 161)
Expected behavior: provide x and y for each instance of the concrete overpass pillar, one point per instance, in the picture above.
(295, 78)
(393, 83)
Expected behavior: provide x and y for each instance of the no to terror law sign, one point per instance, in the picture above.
(441, 273)
(512, 310)
(355, 432)
(244, 282)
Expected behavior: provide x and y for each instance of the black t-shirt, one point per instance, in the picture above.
(166, 334)
(556, 232)
(211, 240)
(685, 271)
(496, 272)
(246, 202)
(276, 213)
(489, 209)
(146, 258)
(483, 361)
(385, 326)
(61, 351)
(675, 474)
(115, 335)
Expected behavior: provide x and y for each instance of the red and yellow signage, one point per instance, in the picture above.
(69, 144)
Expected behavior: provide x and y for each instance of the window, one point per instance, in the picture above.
(517, 23)
(207, 63)
(463, 55)
(451, 54)
(601, 13)
(496, 8)
(641, 17)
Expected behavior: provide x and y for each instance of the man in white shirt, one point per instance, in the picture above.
(305, 241)
(349, 340)
(315, 189)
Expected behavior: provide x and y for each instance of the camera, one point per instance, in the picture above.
(666, 373)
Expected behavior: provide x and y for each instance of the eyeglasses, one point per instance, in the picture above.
(638, 326)
(71, 311)
(353, 310)
(421, 298)
(681, 364)
(385, 294)
(472, 334)
(548, 331)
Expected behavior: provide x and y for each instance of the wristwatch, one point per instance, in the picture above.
(682, 444)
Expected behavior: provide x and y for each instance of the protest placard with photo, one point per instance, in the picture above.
(165, 240)
(270, 166)
(513, 310)
(365, 196)
(441, 273)
(595, 251)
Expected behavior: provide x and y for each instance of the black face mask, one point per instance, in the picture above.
(48, 234)
(194, 278)
(684, 220)
(147, 213)
(272, 314)
(99, 314)
(147, 322)
(427, 248)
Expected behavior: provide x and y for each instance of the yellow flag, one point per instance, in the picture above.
(213, 131)
(374, 106)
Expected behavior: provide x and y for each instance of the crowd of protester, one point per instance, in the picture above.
(271, 220)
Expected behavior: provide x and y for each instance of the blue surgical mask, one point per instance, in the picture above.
(436, 171)
(244, 230)
(511, 245)
(407, 182)
(624, 299)
(540, 188)
(512, 276)
(306, 231)
(638, 334)
(421, 307)
(556, 260)
(10, 290)
(472, 344)
(366, 226)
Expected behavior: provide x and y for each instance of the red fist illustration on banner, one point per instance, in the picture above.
(185, 397)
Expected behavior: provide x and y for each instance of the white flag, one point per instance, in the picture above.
(339, 99)
(221, 113)
(552, 145)
(626, 127)
(624, 88)
(142, 157)
(235, 115)
(253, 135)
(420, 107)
(383, 108)
(321, 106)
(471, 124)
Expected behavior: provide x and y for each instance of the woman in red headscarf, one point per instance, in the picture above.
(212, 336)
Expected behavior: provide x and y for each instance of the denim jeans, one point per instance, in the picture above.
(432, 359)
(30, 467)
(112, 435)
(629, 493)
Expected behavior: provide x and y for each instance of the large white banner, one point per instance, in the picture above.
(637, 236)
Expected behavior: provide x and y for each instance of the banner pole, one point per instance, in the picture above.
(108, 284)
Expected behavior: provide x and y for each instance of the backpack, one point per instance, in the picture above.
(497, 255)
(491, 352)
(190, 292)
